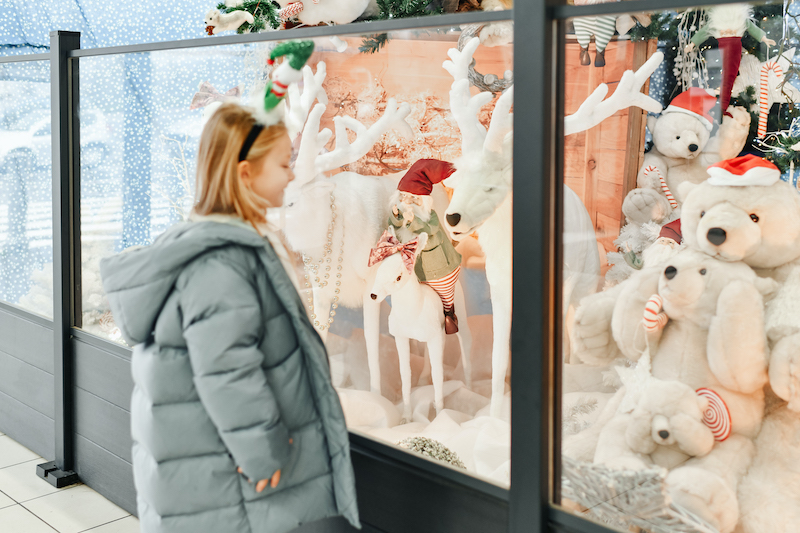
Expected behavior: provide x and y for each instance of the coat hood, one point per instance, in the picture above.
(138, 281)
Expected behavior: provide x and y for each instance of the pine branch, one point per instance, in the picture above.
(391, 9)
(264, 12)
(373, 44)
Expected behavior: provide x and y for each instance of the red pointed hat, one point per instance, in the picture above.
(743, 171)
(695, 102)
(423, 175)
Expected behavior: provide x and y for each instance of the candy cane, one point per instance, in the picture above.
(672, 201)
(654, 319)
(290, 11)
(763, 100)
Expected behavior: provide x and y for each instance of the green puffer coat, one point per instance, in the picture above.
(226, 369)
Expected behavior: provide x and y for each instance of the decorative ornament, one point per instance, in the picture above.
(320, 272)
(670, 198)
(206, 94)
(217, 22)
(489, 82)
(716, 416)
(258, 15)
(764, 103)
(290, 11)
(689, 62)
(389, 245)
(290, 71)
(728, 23)
(654, 319)
(432, 449)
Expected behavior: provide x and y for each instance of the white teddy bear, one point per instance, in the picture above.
(745, 213)
(682, 150)
(664, 427)
(713, 340)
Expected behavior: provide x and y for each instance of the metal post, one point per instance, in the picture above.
(536, 279)
(64, 98)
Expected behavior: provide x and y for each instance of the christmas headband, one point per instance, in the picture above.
(268, 109)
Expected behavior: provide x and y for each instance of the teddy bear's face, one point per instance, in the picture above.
(669, 414)
(691, 283)
(757, 225)
(679, 135)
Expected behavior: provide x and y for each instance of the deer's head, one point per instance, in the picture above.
(393, 270)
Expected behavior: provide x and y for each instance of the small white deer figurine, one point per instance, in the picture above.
(417, 314)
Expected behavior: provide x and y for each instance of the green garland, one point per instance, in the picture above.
(662, 26)
(395, 9)
(263, 11)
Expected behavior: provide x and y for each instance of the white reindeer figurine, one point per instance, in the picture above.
(482, 187)
(334, 222)
(416, 313)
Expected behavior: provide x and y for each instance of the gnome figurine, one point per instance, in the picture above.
(728, 24)
(439, 264)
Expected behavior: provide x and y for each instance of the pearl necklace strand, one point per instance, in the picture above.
(313, 268)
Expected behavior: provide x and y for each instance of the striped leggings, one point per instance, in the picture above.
(446, 287)
(602, 27)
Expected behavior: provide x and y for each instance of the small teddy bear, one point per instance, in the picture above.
(665, 428)
(217, 22)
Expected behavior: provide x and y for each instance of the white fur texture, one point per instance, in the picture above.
(729, 17)
(335, 11)
(227, 21)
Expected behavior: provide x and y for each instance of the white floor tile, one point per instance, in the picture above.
(12, 453)
(17, 519)
(21, 482)
(75, 510)
(5, 501)
(129, 524)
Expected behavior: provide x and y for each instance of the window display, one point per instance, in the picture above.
(26, 213)
(399, 213)
(679, 410)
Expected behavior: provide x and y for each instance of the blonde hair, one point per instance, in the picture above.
(219, 187)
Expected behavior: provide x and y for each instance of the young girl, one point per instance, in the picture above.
(236, 425)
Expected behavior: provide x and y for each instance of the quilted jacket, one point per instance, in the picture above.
(227, 369)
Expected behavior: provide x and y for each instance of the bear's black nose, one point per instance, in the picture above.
(670, 272)
(716, 236)
(664, 434)
(453, 219)
(693, 147)
(373, 296)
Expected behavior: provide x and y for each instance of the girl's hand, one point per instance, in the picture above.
(272, 482)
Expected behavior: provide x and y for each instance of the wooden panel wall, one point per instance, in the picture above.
(26, 380)
(601, 164)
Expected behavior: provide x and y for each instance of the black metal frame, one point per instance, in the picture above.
(535, 343)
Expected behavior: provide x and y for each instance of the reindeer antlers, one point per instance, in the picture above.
(594, 109)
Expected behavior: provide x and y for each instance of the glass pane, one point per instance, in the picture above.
(681, 218)
(144, 114)
(26, 212)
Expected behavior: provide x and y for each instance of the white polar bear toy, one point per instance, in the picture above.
(750, 215)
(714, 341)
(218, 22)
(682, 150)
(664, 427)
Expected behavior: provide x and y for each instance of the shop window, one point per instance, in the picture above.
(141, 118)
(26, 214)
(680, 238)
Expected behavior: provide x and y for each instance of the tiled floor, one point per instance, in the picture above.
(29, 504)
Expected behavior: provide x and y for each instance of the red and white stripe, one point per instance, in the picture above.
(717, 417)
(763, 101)
(279, 89)
(446, 287)
(291, 10)
(671, 199)
(654, 319)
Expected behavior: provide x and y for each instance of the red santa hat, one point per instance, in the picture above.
(743, 171)
(423, 175)
(695, 102)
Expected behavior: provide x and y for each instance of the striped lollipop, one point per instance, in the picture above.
(671, 199)
(653, 318)
(716, 416)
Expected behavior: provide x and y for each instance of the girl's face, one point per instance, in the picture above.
(270, 179)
